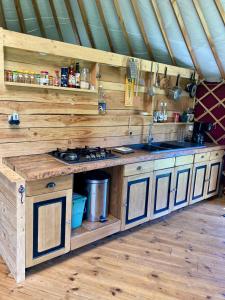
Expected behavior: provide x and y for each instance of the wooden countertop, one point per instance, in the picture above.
(41, 166)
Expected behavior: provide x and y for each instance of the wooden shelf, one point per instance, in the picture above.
(159, 91)
(48, 87)
(93, 231)
(173, 123)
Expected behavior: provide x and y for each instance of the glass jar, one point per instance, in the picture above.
(26, 77)
(44, 80)
(20, 78)
(85, 78)
(32, 78)
(15, 76)
(50, 80)
(56, 80)
(37, 78)
(9, 75)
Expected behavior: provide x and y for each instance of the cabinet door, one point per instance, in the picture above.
(48, 226)
(182, 186)
(198, 182)
(212, 184)
(137, 196)
(162, 192)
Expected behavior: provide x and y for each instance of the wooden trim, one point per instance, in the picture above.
(20, 16)
(2, 16)
(220, 10)
(162, 29)
(102, 18)
(122, 25)
(55, 18)
(141, 27)
(86, 24)
(208, 36)
(72, 20)
(183, 30)
(39, 19)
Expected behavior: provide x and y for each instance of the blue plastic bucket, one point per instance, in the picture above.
(78, 205)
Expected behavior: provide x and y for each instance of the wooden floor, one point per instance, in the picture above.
(180, 257)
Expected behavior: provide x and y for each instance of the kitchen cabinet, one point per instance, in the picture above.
(182, 184)
(136, 193)
(213, 178)
(48, 226)
(162, 193)
(198, 182)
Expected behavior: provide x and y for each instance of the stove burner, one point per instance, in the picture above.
(79, 155)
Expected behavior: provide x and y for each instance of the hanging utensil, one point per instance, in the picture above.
(131, 78)
(157, 79)
(164, 80)
(191, 87)
(151, 90)
(176, 91)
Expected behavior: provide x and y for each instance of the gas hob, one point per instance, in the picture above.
(81, 155)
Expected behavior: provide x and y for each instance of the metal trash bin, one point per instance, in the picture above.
(97, 187)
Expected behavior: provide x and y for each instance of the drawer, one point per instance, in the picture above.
(184, 160)
(138, 168)
(216, 154)
(164, 163)
(202, 157)
(49, 185)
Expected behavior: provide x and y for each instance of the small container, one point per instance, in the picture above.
(9, 75)
(20, 77)
(26, 77)
(85, 78)
(15, 76)
(50, 80)
(44, 80)
(32, 78)
(64, 77)
(56, 80)
(78, 210)
(37, 78)
(176, 117)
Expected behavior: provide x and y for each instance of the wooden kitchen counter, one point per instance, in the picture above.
(41, 166)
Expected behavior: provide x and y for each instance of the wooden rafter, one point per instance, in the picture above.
(72, 20)
(2, 16)
(20, 16)
(141, 27)
(122, 25)
(56, 20)
(102, 18)
(85, 21)
(38, 17)
(221, 10)
(186, 38)
(162, 29)
(208, 35)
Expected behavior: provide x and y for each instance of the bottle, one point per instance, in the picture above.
(56, 81)
(71, 77)
(165, 112)
(77, 76)
(64, 77)
(161, 114)
(101, 101)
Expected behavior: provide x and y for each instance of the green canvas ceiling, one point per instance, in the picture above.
(198, 39)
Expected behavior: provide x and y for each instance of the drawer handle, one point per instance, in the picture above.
(202, 156)
(139, 168)
(217, 154)
(50, 185)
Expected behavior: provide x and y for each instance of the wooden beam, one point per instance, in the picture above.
(102, 18)
(85, 21)
(183, 30)
(141, 27)
(39, 19)
(221, 10)
(162, 29)
(20, 16)
(209, 37)
(2, 16)
(72, 20)
(56, 20)
(122, 25)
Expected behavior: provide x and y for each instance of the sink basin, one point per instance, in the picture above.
(164, 146)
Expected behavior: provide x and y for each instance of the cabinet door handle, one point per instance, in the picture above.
(217, 154)
(139, 168)
(202, 156)
(50, 185)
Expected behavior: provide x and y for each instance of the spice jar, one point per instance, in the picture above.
(15, 76)
(32, 78)
(44, 78)
(26, 77)
(20, 78)
(37, 78)
(50, 80)
(9, 76)
(56, 80)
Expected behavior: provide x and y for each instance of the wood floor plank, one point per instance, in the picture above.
(179, 257)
